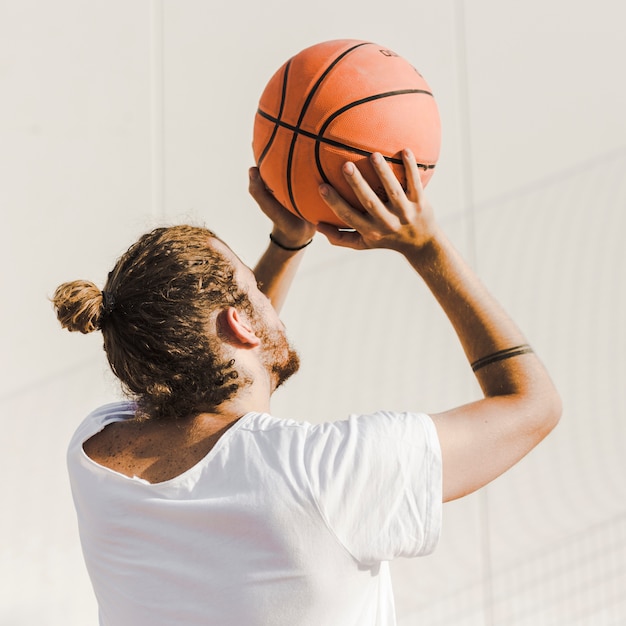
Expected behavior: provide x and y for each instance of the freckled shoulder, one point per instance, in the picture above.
(154, 451)
(115, 445)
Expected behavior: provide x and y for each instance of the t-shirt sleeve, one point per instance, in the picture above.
(377, 482)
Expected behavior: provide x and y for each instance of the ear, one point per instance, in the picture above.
(237, 327)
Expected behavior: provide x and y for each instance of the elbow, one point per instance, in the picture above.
(548, 411)
(557, 409)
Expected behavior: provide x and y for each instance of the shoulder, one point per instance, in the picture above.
(380, 426)
(379, 423)
(103, 415)
(356, 437)
(98, 419)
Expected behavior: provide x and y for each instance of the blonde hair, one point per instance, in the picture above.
(79, 306)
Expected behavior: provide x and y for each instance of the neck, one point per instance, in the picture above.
(255, 397)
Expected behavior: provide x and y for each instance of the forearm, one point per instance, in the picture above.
(276, 270)
(482, 325)
(290, 236)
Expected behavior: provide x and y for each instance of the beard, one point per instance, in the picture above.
(279, 357)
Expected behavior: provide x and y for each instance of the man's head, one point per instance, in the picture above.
(159, 318)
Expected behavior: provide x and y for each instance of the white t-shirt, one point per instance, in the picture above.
(282, 523)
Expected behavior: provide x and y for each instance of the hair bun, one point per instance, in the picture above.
(78, 306)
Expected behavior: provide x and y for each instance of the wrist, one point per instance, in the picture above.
(425, 255)
(289, 244)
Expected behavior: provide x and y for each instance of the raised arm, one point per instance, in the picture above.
(520, 407)
(290, 235)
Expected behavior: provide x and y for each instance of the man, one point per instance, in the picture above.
(196, 506)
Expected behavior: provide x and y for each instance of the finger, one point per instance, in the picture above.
(342, 238)
(415, 189)
(352, 217)
(367, 197)
(393, 188)
(264, 198)
(257, 187)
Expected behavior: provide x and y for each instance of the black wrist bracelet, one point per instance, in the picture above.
(501, 355)
(282, 247)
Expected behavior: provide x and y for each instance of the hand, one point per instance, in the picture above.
(406, 222)
(289, 229)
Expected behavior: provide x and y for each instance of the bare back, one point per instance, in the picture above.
(155, 451)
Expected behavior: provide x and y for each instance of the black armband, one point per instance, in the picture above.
(509, 353)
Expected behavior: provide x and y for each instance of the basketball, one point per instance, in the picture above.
(341, 101)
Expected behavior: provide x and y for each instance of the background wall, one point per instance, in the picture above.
(117, 116)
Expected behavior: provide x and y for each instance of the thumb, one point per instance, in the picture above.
(342, 238)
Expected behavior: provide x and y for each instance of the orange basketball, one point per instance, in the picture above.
(340, 101)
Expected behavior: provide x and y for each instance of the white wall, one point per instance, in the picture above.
(116, 116)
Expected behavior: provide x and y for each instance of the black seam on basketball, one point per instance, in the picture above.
(292, 198)
(379, 96)
(338, 144)
(320, 80)
(280, 113)
(303, 110)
